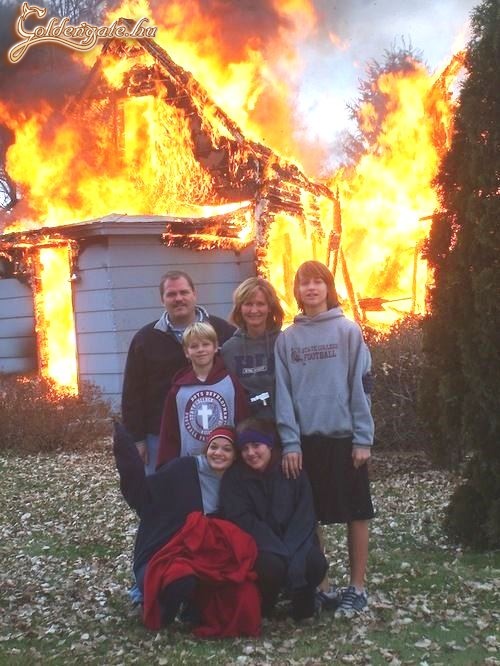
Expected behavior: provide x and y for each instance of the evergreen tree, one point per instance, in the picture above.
(460, 396)
(372, 102)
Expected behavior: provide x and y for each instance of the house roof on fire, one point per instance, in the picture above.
(243, 170)
(222, 231)
(240, 167)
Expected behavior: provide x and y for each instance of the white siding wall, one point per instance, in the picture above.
(118, 293)
(17, 328)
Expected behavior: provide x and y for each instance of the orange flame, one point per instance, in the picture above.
(54, 318)
(388, 197)
(252, 78)
(135, 154)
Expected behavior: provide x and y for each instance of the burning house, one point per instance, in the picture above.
(191, 192)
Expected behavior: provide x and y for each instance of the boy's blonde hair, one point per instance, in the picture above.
(200, 330)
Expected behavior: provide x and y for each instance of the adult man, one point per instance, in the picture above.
(155, 356)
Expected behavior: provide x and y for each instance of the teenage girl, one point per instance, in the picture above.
(324, 419)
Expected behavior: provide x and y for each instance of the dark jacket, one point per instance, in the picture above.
(154, 357)
(222, 393)
(163, 500)
(276, 511)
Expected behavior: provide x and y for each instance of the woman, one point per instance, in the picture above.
(249, 354)
(323, 414)
(178, 549)
(279, 514)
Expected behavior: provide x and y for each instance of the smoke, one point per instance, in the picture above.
(245, 23)
(234, 25)
(371, 26)
(46, 72)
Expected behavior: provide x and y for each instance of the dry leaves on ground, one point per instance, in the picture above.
(66, 540)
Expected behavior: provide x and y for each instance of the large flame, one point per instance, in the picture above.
(251, 77)
(388, 197)
(54, 317)
(69, 167)
(387, 201)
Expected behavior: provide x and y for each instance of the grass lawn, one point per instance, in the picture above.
(65, 553)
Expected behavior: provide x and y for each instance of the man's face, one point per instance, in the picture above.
(179, 301)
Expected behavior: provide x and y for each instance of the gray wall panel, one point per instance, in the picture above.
(93, 278)
(16, 307)
(93, 301)
(11, 288)
(133, 320)
(91, 322)
(129, 297)
(17, 327)
(101, 364)
(25, 348)
(110, 385)
(102, 343)
(94, 255)
(202, 272)
(18, 366)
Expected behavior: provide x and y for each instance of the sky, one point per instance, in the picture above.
(365, 29)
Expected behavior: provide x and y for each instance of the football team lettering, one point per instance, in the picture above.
(205, 410)
(313, 353)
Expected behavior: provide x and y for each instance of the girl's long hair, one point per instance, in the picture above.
(315, 269)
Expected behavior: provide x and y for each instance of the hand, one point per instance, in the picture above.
(291, 464)
(360, 455)
(142, 450)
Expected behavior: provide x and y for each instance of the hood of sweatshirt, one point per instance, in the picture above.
(333, 313)
(186, 376)
(241, 342)
(241, 333)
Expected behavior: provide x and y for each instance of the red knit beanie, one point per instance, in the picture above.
(227, 432)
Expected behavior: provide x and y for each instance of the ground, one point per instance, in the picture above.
(65, 553)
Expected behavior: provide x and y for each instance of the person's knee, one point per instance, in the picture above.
(316, 566)
(303, 603)
(172, 596)
(270, 567)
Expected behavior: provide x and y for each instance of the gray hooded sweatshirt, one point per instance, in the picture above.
(251, 360)
(322, 380)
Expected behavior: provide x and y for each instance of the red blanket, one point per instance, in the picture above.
(222, 556)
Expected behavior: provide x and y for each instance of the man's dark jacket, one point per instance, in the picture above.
(153, 359)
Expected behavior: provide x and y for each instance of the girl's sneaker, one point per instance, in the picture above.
(352, 603)
(329, 600)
